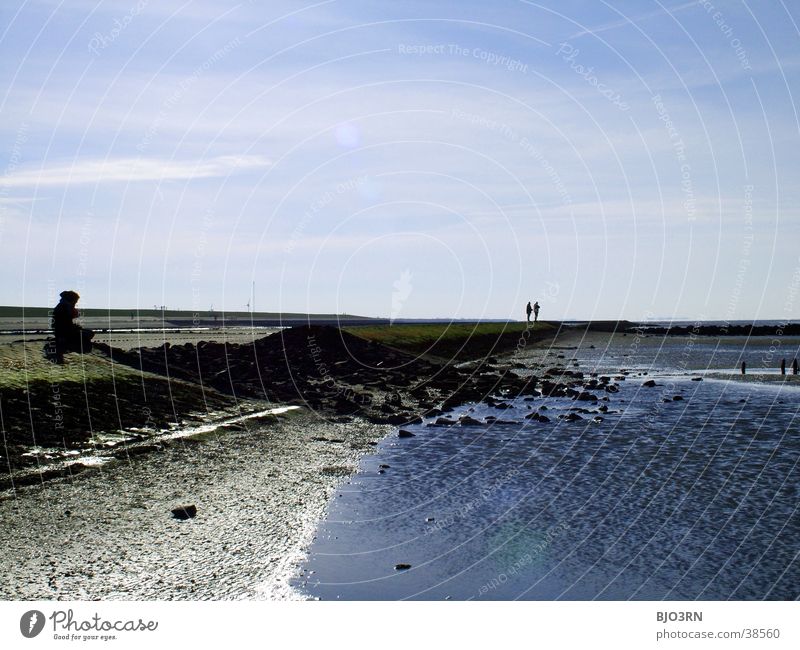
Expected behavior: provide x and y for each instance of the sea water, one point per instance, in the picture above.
(695, 498)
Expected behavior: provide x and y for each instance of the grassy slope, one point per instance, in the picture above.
(453, 340)
(61, 406)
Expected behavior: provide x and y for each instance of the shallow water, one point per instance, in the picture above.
(686, 499)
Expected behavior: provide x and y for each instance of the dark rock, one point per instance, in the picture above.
(405, 434)
(466, 420)
(402, 567)
(677, 398)
(649, 383)
(697, 379)
(184, 512)
(586, 397)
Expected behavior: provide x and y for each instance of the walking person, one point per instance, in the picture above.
(535, 312)
(529, 310)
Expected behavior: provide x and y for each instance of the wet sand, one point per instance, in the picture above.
(108, 533)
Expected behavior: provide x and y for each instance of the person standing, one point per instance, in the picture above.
(529, 310)
(535, 312)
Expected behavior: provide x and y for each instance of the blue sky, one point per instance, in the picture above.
(419, 159)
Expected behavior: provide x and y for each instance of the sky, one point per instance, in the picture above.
(630, 159)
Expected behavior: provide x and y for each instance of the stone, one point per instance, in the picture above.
(185, 512)
(402, 567)
(650, 383)
(405, 434)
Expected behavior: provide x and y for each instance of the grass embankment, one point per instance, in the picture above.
(455, 341)
(64, 406)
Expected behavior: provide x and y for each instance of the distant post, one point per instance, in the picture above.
(794, 367)
(744, 367)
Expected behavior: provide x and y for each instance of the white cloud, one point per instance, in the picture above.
(130, 170)
(631, 20)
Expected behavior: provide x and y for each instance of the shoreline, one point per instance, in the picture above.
(263, 480)
(137, 394)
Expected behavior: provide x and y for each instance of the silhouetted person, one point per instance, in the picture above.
(794, 367)
(69, 336)
(535, 312)
(783, 366)
(744, 367)
(529, 310)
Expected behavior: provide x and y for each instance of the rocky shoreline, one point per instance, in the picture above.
(51, 412)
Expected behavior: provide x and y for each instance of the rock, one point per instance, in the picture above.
(597, 419)
(402, 567)
(697, 379)
(444, 422)
(466, 420)
(430, 519)
(650, 383)
(586, 397)
(184, 512)
(405, 434)
(677, 398)
(572, 417)
(384, 466)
